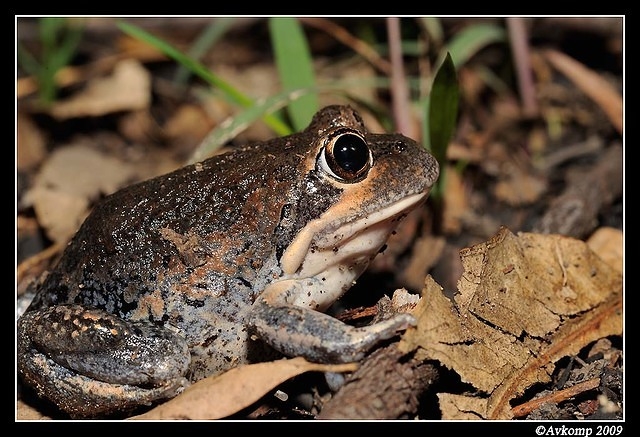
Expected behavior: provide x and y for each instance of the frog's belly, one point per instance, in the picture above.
(223, 347)
(216, 330)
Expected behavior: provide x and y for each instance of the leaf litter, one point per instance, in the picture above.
(524, 302)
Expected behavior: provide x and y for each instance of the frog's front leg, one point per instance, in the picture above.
(298, 331)
(91, 362)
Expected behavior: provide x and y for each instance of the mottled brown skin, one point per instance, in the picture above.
(163, 275)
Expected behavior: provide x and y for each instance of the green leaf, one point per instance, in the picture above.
(442, 112)
(295, 67)
(443, 107)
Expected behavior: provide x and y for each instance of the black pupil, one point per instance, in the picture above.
(351, 153)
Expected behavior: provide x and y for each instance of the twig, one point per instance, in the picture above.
(399, 87)
(555, 398)
(522, 60)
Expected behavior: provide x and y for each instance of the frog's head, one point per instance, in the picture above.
(364, 185)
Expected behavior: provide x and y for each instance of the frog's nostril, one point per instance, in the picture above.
(399, 147)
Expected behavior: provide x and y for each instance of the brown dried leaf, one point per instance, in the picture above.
(25, 411)
(128, 88)
(460, 407)
(223, 395)
(68, 182)
(608, 244)
(31, 148)
(525, 302)
(456, 202)
(188, 125)
(520, 188)
(591, 83)
(526, 284)
(60, 214)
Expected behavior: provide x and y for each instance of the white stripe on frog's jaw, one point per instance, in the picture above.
(328, 258)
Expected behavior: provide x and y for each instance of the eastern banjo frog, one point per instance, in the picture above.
(229, 261)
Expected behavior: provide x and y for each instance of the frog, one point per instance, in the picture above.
(229, 261)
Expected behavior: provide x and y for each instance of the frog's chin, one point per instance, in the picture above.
(360, 228)
(330, 260)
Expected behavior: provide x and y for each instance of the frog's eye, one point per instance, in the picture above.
(346, 157)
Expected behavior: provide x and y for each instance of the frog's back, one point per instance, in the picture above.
(172, 241)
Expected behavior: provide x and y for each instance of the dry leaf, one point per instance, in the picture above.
(68, 182)
(608, 244)
(188, 125)
(60, 214)
(456, 202)
(591, 83)
(519, 188)
(457, 151)
(138, 49)
(31, 143)
(27, 412)
(459, 407)
(525, 302)
(128, 88)
(83, 171)
(223, 395)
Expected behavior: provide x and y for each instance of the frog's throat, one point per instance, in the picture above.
(351, 239)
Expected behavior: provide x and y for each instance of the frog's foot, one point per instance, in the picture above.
(90, 362)
(82, 397)
(297, 331)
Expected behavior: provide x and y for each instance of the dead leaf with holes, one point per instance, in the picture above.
(221, 396)
(524, 302)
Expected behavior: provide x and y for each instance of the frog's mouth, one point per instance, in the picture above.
(331, 254)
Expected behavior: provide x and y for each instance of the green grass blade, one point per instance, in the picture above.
(295, 67)
(471, 40)
(229, 129)
(49, 28)
(71, 37)
(433, 26)
(229, 92)
(211, 34)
